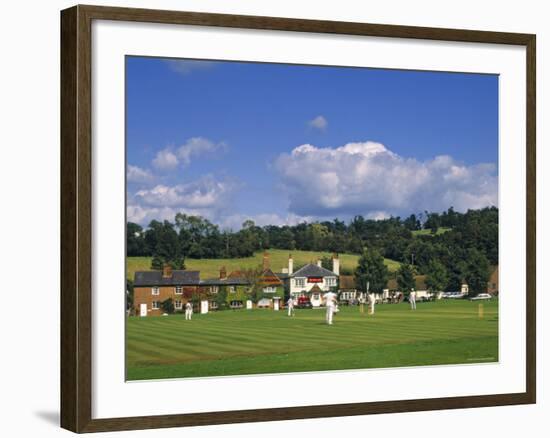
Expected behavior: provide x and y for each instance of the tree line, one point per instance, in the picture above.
(467, 248)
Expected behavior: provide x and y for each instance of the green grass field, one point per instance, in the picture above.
(264, 341)
(278, 258)
(428, 232)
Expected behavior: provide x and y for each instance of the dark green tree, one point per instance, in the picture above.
(405, 278)
(476, 271)
(168, 306)
(372, 270)
(221, 298)
(135, 241)
(437, 278)
(167, 247)
(129, 294)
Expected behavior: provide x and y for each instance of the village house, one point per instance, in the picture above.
(235, 284)
(492, 284)
(347, 289)
(151, 288)
(392, 288)
(312, 280)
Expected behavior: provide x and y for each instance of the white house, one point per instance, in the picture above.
(313, 280)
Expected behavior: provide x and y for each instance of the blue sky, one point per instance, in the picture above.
(285, 143)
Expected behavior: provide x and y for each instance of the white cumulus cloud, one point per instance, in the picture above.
(135, 174)
(169, 158)
(207, 197)
(199, 146)
(318, 122)
(165, 160)
(206, 192)
(367, 178)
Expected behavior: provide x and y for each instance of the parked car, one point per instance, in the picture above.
(458, 295)
(481, 297)
(453, 295)
(303, 303)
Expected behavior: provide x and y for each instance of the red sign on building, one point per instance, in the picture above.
(315, 279)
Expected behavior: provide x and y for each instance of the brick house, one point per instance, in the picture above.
(492, 284)
(151, 288)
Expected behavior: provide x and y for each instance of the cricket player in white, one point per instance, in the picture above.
(290, 304)
(330, 302)
(188, 311)
(372, 301)
(412, 299)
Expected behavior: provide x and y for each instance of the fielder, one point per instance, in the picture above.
(412, 299)
(372, 301)
(188, 311)
(290, 305)
(330, 302)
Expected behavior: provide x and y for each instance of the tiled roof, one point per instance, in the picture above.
(155, 278)
(347, 282)
(269, 278)
(233, 281)
(311, 270)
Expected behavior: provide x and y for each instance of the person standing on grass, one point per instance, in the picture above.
(330, 303)
(188, 311)
(372, 301)
(290, 304)
(412, 299)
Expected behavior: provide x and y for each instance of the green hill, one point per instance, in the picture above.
(428, 232)
(209, 268)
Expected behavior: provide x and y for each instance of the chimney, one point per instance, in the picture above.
(290, 264)
(266, 261)
(335, 264)
(166, 271)
(319, 263)
(223, 273)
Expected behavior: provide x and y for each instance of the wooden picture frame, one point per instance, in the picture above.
(76, 217)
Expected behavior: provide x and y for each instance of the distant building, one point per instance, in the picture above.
(151, 288)
(236, 285)
(347, 288)
(492, 284)
(420, 288)
(312, 280)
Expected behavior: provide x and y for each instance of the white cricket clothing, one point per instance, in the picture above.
(330, 300)
(412, 300)
(188, 311)
(290, 304)
(329, 314)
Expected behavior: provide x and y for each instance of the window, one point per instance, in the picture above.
(214, 289)
(270, 289)
(177, 304)
(179, 290)
(231, 289)
(155, 305)
(331, 281)
(300, 282)
(155, 290)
